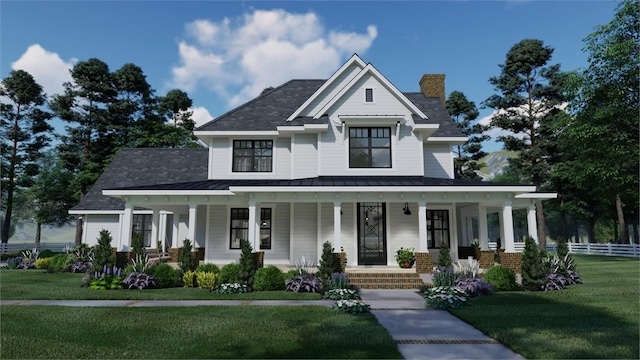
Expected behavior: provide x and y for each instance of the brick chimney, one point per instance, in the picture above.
(432, 85)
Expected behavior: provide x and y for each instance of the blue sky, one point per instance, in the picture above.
(224, 53)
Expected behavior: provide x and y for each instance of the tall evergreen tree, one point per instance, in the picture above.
(23, 135)
(530, 94)
(468, 155)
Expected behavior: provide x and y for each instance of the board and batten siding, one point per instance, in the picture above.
(304, 238)
(95, 224)
(438, 161)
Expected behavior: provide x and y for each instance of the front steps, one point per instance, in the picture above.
(385, 280)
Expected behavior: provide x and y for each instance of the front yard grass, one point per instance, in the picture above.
(597, 319)
(39, 285)
(190, 333)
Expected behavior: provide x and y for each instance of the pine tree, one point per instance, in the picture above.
(533, 273)
(103, 253)
(247, 266)
(444, 258)
(186, 263)
(327, 264)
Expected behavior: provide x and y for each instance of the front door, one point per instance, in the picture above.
(372, 230)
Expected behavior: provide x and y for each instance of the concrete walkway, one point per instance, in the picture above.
(418, 333)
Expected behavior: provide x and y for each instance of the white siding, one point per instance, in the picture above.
(220, 161)
(279, 235)
(201, 226)
(438, 161)
(218, 245)
(183, 229)
(305, 155)
(384, 102)
(402, 229)
(221, 158)
(95, 223)
(348, 228)
(283, 157)
(304, 237)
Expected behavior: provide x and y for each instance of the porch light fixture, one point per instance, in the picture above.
(406, 209)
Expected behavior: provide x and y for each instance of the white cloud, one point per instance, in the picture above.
(495, 132)
(238, 58)
(47, 68)
(200, 115)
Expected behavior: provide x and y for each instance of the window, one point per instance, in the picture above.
(240, 227)
(142, 225)
(369, 147)
(252, 155)
(368, 95)
(437, 228)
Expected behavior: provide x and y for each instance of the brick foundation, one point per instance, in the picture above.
(424, 263)
(199, 253)
(486, 259)
(340, 258)
(512, 261)
(258, 259)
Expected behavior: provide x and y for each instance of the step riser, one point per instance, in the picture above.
(386, 280)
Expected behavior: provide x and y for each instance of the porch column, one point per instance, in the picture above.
(483, 233)
(532, 223)
(507, 216)
(193, 213)
(155, 225)
(252, 223)
(126, 227)
(422, 227)
(162, 232)
(337, 226)
(174, 232)
(501, 228)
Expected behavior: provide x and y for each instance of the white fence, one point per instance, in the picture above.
(518, 246)
(626, 250)
(14, 247)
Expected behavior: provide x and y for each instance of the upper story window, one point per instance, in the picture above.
(368, 95)
(369, 147)
(252, 156)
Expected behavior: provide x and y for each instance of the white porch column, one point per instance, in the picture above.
(337, 226)
(507, 216)
(193, 213)
(501, 227)
(174, 232)
(532, 223)
(126, 227)
(423, 245)
(162, 232)
(483, 232)
(155, 225)
(253, 219)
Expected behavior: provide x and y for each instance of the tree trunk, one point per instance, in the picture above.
(576, 227)
(78, 239)
(591, 229)
(38, 232)
(636, 236)
(542, 237)
(624, 232)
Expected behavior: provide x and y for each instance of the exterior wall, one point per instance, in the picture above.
(438, 161)
(305, 156)
(402, 230)
(304, 231)
(221, 159)
(353, 102)
(201, 226)
(280, 238)
(328, 94)
(95, 223)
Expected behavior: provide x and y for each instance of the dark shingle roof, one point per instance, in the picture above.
(268, 111)
(135, 167)
(322, 181)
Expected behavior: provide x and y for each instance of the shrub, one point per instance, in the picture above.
(304, 266)
(205, 280)
(140, 263)
(341, 294)
(189, 279)
(445, 297)
(137, 244)
(80, 267)
(164, 274)
(268, 279)
(230, 288)
(474, 286)
(533, 272)
(107, 279)
(339, 281)
(46, 253)
(304, 283)
(230, 273)
(291, 273)
(179, 274)
(501, 278)
(444, 258)
(555, 281)
(103, 254)
(9, 255)
(443, 276)
(58, 262)
(208, 268)
(30, 255)
(185, 261)
(43, 263)
(139, 281)
(14, 262)
(327, 264)
(562, 249)
(467, 270)
(247, 267)
(351, 307)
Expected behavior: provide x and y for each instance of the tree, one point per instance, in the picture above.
(530, 95)
(24, 133)
(327, 264)
(604, 132)
(175, 106)
(533, 273)
(464, 112)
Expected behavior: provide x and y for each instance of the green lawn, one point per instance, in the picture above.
(598, 319)
(190, 333)
(39, 285)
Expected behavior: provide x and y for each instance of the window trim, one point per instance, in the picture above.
(367, 92)
(230, 227)
(431, 230)
(370, 148)
(147, 219)
(252, 157)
